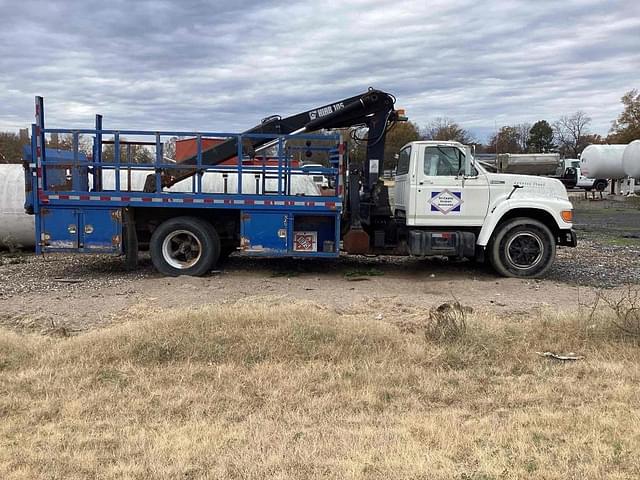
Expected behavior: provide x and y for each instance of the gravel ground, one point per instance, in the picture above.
(62, 294)
(608, 255)
(26, 272)
(608, 252)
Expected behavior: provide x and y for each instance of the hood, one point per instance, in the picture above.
(532, 186)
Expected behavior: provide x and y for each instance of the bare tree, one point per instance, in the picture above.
(571, 133)
(397, 136)
(507, 140)
(444, 128)
(523, 130)
(11, 147)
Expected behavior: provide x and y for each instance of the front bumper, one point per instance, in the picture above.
(567, 238)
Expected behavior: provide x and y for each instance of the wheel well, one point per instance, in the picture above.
(541, 215)
(226, 222)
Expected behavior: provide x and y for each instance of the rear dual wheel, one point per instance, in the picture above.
(522, 247)
(184, 246)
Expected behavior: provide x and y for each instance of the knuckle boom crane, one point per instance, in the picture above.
(373, 109)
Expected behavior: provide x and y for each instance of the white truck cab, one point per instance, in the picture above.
(583, 181)
(516, 220)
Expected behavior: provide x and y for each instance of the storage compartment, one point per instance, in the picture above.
(82, 230)
(315, 234)
(264, 233)
(101, 230)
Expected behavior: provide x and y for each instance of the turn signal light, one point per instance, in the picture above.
(567, 215)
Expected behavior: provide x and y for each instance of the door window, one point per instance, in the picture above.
(404, 161)
(443, 161)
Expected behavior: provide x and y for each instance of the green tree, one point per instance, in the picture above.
(627, 127)
(443, 128)
(540, 138)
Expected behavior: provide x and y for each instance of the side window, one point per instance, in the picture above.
(442, 161)
(403, 161)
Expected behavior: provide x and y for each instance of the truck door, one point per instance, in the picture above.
(444, 197)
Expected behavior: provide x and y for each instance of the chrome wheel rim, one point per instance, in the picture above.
(181, 249)
(525, 250)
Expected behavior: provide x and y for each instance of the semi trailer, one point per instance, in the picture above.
(445, 203)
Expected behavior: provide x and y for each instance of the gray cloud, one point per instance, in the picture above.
(198, 65)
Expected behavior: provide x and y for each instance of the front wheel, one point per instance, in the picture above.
(522, 247)
(184, 246)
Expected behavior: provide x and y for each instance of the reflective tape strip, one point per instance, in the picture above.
(216, 201)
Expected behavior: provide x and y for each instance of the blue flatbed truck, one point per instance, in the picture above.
(191, 214)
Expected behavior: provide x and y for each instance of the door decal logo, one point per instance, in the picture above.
(446, 201)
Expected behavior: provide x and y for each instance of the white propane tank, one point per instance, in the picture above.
(631, 159)
(602, 161)
(212, 182)
(17, 229)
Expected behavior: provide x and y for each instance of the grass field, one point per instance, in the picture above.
(297, 391)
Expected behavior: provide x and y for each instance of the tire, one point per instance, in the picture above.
(600, 185)
(184, 246)
(522, 247)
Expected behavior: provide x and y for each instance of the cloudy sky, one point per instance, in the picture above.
(224, 65)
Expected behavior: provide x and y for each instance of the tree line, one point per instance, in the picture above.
(568, 135)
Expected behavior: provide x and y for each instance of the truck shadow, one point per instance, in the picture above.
(351, 267)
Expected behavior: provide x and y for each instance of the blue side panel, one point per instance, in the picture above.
(264, 233)
(101, 230)
(88, 230)
(59, 229)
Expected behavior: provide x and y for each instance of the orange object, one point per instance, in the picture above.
(188, 148)
(567, 215)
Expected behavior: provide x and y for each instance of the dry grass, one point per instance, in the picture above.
(295, 391)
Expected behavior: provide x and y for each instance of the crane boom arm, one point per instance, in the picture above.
(373, 109)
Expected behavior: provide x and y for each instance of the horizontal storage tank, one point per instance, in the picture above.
(17, 229)
(602, 161)
(631, 159)
(528, 163)
(213, 182)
